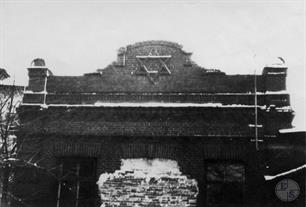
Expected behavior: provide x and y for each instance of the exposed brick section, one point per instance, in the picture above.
(154, 186)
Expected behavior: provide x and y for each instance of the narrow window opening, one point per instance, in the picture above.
(77, 183)
(225, 184)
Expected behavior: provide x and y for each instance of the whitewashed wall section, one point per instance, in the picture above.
(147, 182)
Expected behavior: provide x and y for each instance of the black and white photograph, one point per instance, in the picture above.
(165, 103)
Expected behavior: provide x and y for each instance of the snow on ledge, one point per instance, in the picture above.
(175, 94)
(146, 105)
(292, 130)
(37, 67)
(271, 177)
(276, 65)
(275, 92)
(32, 92)
(156, 104)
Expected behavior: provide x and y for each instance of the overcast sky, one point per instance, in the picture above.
(76, 37)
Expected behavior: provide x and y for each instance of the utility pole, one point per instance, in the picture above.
(256, 112)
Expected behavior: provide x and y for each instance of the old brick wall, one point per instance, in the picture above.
(190, 137)
(185, 76)
(190, 154)
(152, 121)
(147, 182)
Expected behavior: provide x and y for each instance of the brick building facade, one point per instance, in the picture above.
(153, 129)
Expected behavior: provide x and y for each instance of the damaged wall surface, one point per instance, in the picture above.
(145, 182)
(154, 129)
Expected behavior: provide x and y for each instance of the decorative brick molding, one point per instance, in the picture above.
(186, 75)
(77, 149)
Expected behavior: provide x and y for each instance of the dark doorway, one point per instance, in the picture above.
(77, 185)
(225, 184)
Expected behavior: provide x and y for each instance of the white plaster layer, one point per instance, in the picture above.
(144, 182)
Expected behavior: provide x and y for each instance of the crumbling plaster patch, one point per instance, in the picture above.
(147, 182)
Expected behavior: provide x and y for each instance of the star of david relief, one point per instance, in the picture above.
(153, 66)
